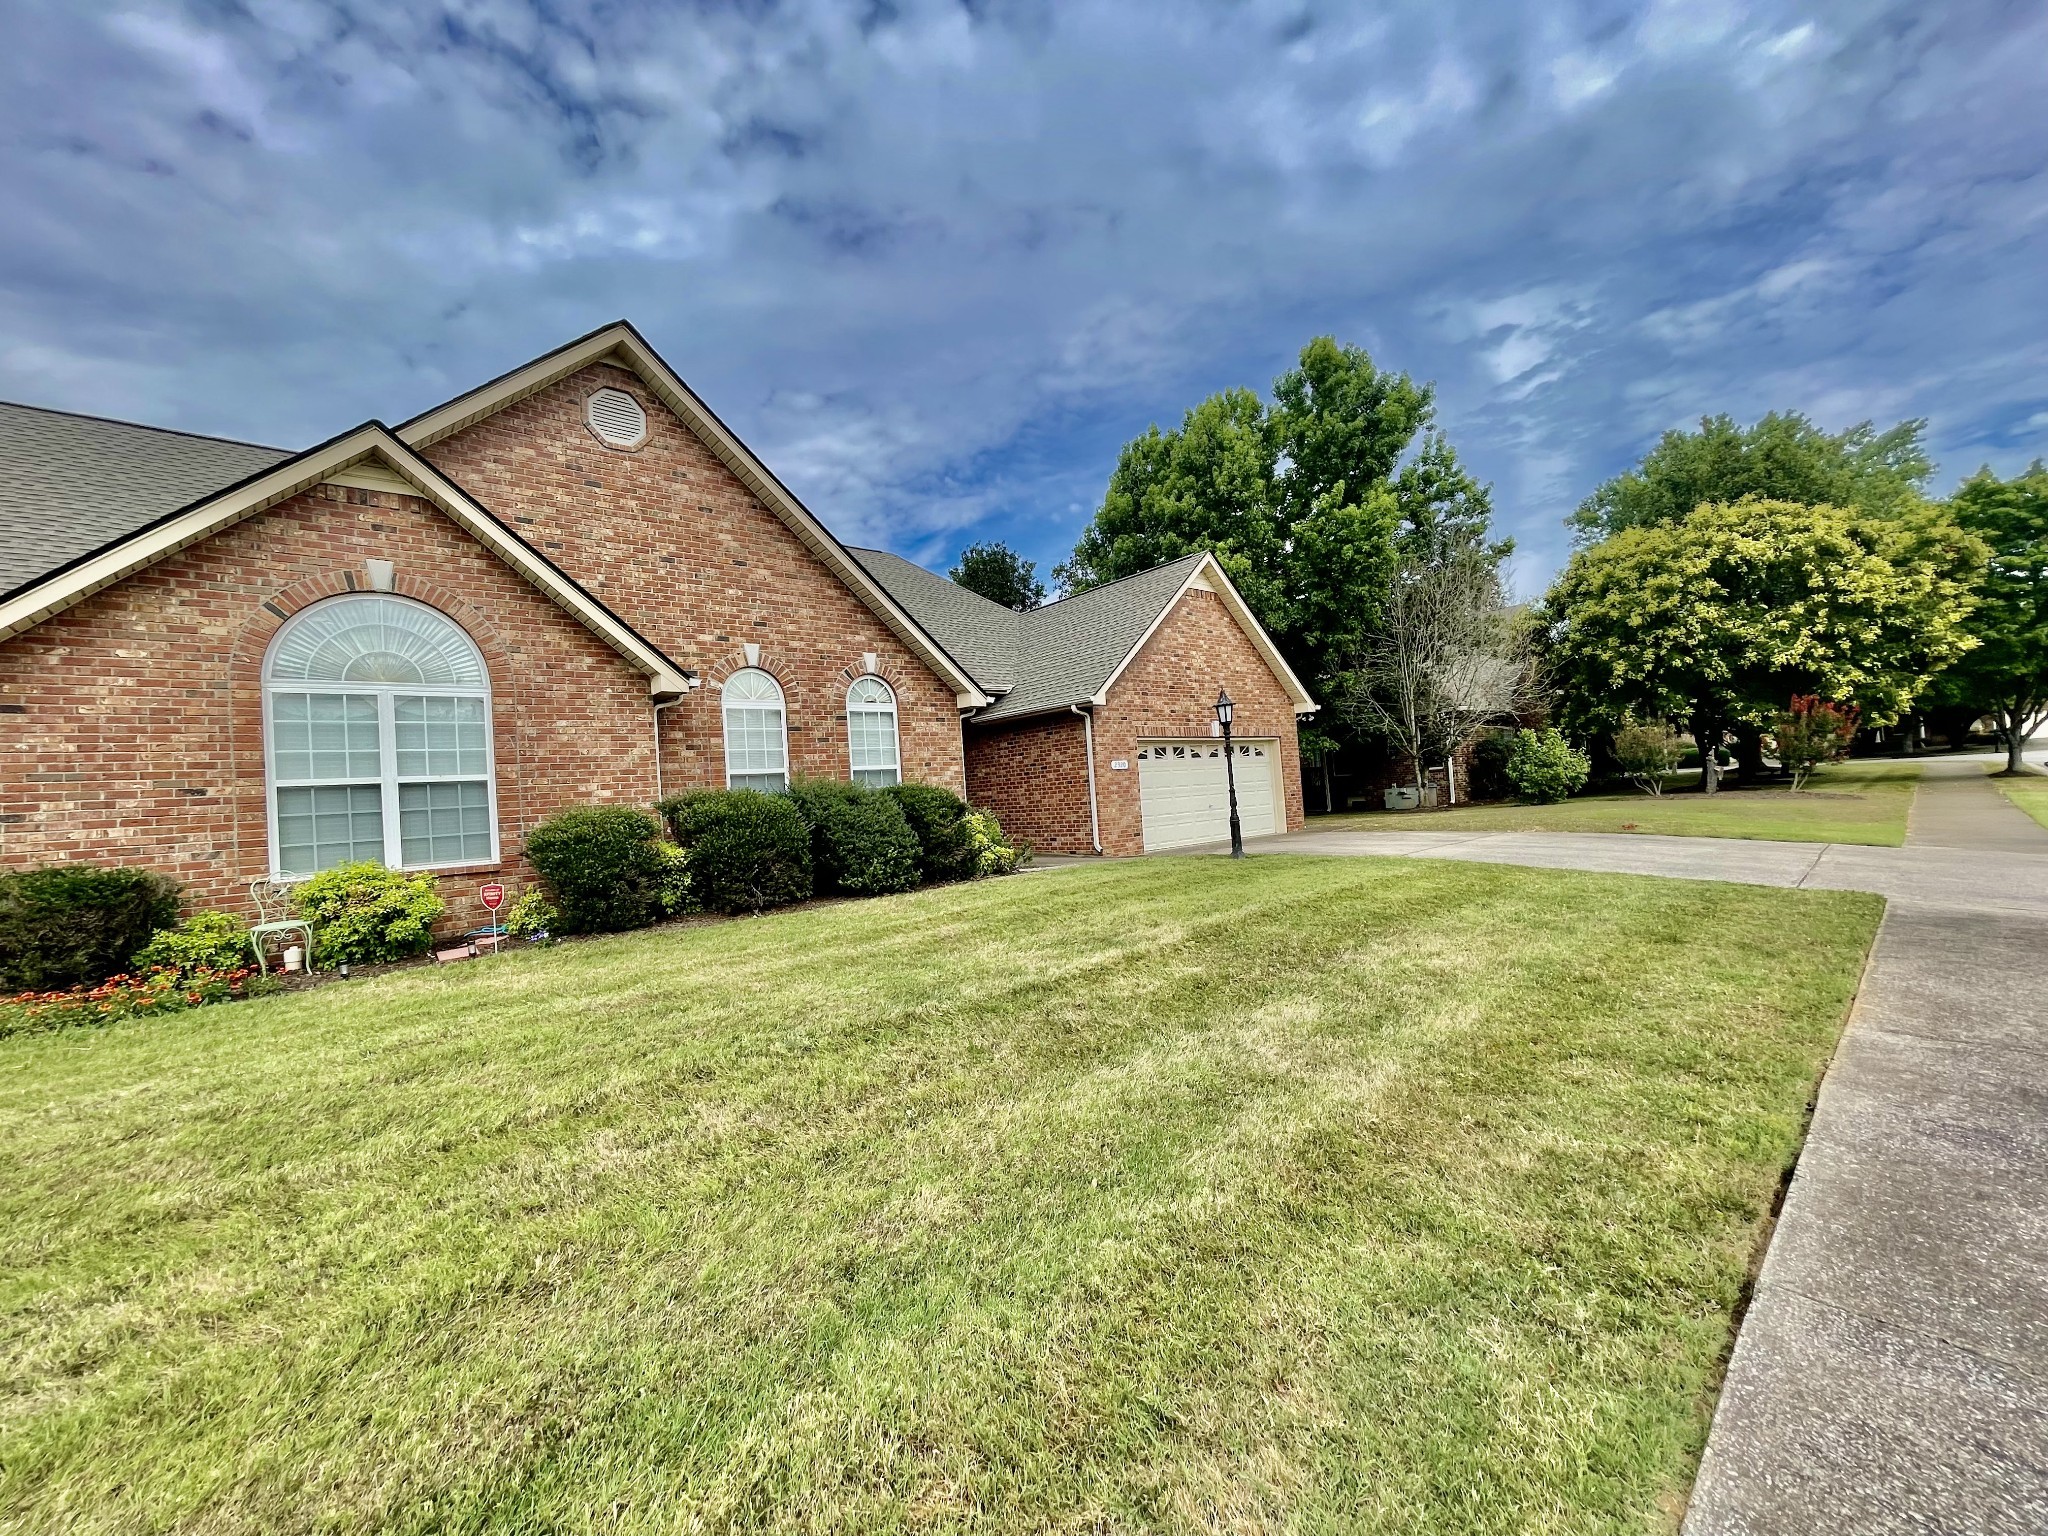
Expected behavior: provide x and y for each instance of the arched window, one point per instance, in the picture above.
(756, 741)
(871, 732)
(377, 715)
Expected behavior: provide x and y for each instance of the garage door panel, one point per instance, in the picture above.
(1183, 793)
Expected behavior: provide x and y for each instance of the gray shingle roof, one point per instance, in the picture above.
(69, 484)
(1044, 660)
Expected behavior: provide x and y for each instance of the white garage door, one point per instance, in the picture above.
(1182, 794)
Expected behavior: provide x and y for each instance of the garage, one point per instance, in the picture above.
(1183, 797)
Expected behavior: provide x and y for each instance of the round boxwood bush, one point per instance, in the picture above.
(74, 925)
(938, 818)
(365, 914)
(747, 850)
(861, 844)
(1546, 768)
(604, 867)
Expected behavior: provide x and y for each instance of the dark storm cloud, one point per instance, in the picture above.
(937, 261)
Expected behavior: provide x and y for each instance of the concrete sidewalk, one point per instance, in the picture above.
(1892, 1372)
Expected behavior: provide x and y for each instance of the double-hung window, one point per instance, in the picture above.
(378, 735)
(756, 734)
(871, 732)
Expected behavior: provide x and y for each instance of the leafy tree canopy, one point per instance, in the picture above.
(1001, 575)
(1303, 501)
(1784, 457)
(2007, 674)
(1722, 616)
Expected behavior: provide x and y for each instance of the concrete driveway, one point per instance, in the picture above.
(1891, 1374)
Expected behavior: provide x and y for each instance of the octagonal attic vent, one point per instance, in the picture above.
(616, 418)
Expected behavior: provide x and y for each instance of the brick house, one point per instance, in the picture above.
(572, 584)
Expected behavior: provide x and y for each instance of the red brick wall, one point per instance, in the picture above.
(1169, 689)
(140, 736)
(671, 541)
(1034, 776)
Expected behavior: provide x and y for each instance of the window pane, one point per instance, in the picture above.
(872, 733)
(332, 824)
(439, 737)
(774, 783)
(875, 778)
(753, 740)
(444, 823)
(325, 736)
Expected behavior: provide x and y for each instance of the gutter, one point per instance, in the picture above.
(1088, 732)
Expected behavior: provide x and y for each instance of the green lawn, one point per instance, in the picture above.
(1854, 802)
(2030, 794)
(1167, 1195)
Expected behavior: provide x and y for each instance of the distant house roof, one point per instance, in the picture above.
(1067, 652)
(70, 484)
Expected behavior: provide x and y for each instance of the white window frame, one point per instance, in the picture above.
(782, 714)
(895, 726)
(388, 780)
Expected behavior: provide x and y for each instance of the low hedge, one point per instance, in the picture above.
(605, 868)
(206, 941)
(938, 819)
(747, 850)
(74, 925)
(861, 842)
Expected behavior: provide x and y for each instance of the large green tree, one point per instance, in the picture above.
(2006, 675)
(1718, 618)
(1784, 457)
(999, 574)
(1304, 501)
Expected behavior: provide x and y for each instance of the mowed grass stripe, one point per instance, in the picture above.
(1292, 1194)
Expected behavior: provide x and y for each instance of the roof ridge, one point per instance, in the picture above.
(1197, 554)
(145, 426)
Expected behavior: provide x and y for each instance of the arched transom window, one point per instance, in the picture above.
(871, 732)
(756, 738)
(378, 739)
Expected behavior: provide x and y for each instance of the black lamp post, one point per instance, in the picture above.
(1224, 711)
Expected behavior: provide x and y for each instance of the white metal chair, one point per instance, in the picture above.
(273, 897)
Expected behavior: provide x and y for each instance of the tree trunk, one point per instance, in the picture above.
(1749, 753)
(2015, 741)
(1707, 736)
(1329, 804)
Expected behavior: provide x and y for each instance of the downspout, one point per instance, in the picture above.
(659, 706)
(1088, 733)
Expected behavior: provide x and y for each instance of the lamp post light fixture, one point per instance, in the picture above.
(1225, 711)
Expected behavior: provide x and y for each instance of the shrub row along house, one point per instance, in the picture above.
(570, 585)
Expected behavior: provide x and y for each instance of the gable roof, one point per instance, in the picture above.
(372, 442)
(69, 483)
(1070, 651)
(620, 343)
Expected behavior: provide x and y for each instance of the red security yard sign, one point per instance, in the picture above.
(492, 896)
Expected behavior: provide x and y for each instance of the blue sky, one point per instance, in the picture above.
(936, 261)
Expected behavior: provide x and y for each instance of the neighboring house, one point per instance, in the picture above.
(572, 584)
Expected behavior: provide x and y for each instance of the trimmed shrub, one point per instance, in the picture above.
(994, 854)
(603, 866)
(206, 941)
(1546, 768)
(861, 844)
(532, 915)
(1489, 772)
(747, 850)
(1646, 752)
(365, 914)
(70, 925)
(938, 819)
